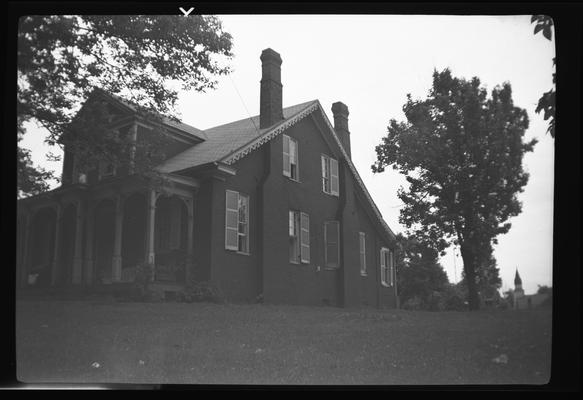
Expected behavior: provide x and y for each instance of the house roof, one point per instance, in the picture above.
(223, 142)
(191, 130)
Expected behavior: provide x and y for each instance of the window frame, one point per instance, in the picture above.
(328, 164)
(294, 217)
(287, 158)
(301, 249)
(304, 227)
(362, 253)
(337, 243)
(245, 234)
(103, 165)
(236, 248)
(387, 270)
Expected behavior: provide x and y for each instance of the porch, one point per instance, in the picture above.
(105, 235)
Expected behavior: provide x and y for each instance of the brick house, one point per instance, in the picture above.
(267, 206)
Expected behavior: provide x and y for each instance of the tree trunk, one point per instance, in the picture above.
(470, 276)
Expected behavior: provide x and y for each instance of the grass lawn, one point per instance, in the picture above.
(60, 341)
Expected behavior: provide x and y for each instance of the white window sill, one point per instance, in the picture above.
(243, 253)
(331, 194)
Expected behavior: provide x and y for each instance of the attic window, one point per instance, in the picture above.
(106, 170)
(290, 158)
(329, 175)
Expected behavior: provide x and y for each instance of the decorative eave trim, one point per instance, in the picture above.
(269, 135)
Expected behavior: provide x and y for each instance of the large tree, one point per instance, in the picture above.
(461, 153)
(144, 59)
(487, 279)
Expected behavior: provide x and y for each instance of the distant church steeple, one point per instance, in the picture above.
(518, 285)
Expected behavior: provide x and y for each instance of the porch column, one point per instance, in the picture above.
(116, 260)
(57, 248)
(24, 264)
(89, 231)
(150, 225)
(133, 133)
(189, 240)
(77, 256)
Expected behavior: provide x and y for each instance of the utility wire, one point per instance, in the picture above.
(245, 106)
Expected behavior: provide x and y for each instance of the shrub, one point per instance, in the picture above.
(413, 304)
(204, 291)
(140, 290)
(453, 299)
(434, 302)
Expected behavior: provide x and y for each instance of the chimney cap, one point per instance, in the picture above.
(270, 55)
(340, 108)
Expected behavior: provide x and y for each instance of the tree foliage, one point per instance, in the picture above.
(461, 153)
(419, 273)
(145, 60)
(546, 103)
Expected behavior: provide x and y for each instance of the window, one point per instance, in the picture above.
(331, 240)
(362, 246)
(387, 267)
(237, 222)
(329, 175)
(290, 158)
(299, 237)
(106, 170)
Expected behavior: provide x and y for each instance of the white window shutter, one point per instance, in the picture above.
(334, 186)
(362, 246)
(383, 267)
(231, 220)
(305, 238)
(324, 174)
(243, 227)
(391, 268)
(286, 157)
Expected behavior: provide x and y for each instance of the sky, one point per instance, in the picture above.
(370, 63)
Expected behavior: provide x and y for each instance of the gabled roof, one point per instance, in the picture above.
(191, 130)
(225, 142)
(233, 141)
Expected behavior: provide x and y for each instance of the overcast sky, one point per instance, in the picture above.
(370, 63)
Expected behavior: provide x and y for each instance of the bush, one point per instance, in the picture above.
(139, 289)
(413, 304)
(201, 292)
(435, 301)
(453, 299)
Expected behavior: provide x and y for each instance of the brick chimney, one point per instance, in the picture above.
(340, 112)
(270, 101)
